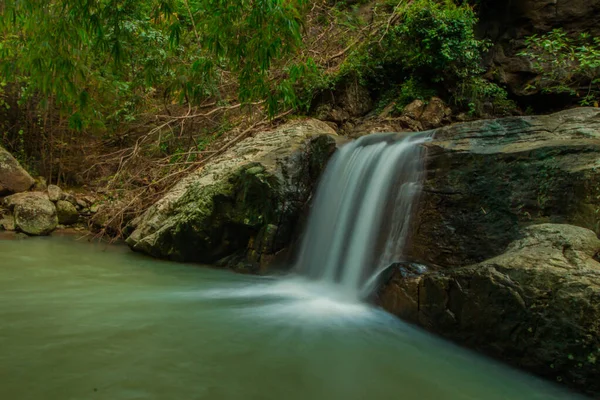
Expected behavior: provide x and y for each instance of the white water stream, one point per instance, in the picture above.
(360, 217)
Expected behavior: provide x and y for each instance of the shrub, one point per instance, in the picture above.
(431, 49)
(433, 41)
(566, 64)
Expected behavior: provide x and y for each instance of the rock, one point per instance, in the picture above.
(81, 203)
(486, 180)
(13, 178)
(388, 111)
(89, 200)
(40, 184)
(67, 213)
(354, 98)
(536, 306)
(236, 201)
(34, 213)
(414, 110)
(7, 222)
(347, 101)
(426, 115)
(434, 114)
(70, 198)
(10, 201)
(370, 126)
(95, 208)
(55, 193)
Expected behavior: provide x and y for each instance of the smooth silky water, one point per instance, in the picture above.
(89, 321)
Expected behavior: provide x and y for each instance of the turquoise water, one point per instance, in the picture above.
(83, 321)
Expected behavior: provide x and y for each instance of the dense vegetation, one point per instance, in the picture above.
(566, 64)
(167, 79)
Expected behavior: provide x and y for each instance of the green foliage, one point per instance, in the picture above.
(480, 96)
(566, 64)
(304, 80)
(98, 60)
(434, 42)
(412, 90)
(430, 49)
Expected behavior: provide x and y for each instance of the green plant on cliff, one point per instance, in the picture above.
(566, 64)
(427, 48)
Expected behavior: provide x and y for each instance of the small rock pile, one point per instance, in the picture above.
(34, 208)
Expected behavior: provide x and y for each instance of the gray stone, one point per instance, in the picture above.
(34, 213)
(536, 306)
(7, 222)
(13, 178)
(55, 193)
(67, 213)
(414, 110)
(486, 180)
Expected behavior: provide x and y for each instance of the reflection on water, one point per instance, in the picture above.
(81, 321)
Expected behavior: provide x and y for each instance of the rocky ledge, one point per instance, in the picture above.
(536, 306)
(507, 227)
(486, 180)
(40, 211)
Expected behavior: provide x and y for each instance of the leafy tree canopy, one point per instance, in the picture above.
(88, 56)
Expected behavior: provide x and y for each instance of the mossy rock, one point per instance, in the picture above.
(67, 213)
(219, 210)
(13, 178)
(34, 214)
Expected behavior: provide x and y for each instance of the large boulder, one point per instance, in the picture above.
(34, 214)
(488, 179)
(246, 202)
(536, 306)
(13, 178)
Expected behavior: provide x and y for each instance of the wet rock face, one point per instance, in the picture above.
(13, 178)
(487, 180)
(536, 306)
(243, 205)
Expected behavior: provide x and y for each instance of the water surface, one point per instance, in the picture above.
(82, 321)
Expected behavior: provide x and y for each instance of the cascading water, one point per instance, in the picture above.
(360, 217)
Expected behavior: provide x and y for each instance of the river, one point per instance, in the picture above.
(91, 321)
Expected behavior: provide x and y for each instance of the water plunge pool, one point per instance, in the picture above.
(89, 321)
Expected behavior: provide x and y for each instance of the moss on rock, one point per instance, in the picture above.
(220, 211)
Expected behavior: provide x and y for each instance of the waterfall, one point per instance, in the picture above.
(360, 217)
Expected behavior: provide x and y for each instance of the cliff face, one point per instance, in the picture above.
(488, 179)
(537, 306)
